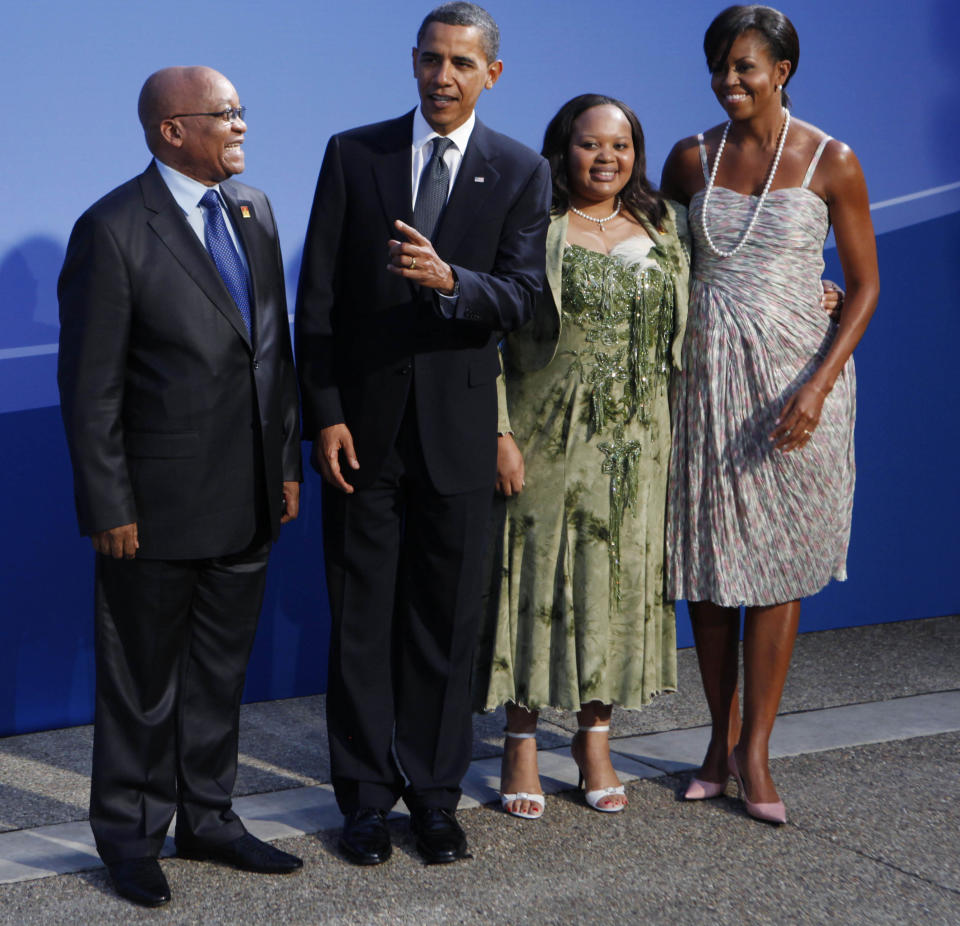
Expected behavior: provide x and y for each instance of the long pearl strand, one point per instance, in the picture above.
(766, 189)
(600, 222)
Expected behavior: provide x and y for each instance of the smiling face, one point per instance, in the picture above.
(451, 71)
(746, 82)
(600, 156)
(203, 147)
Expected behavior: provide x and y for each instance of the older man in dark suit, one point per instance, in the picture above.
(179, 401)
(426, 239)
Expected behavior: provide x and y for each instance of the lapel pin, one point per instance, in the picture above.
(478, 179)
(245, 211)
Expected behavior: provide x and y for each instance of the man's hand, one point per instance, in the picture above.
(119, 542)
(416, 260)
(291, 501)
(510, 469)
(326, 455)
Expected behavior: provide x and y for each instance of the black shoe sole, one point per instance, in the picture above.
(360, 858)
(204, 856)
(144, 902)
(440, 858)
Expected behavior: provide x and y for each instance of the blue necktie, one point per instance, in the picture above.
(225, 255)
(433, 190)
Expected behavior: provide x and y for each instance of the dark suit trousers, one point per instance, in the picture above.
(172, 642)
(403, 573)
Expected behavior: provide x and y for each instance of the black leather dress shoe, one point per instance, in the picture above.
(140, 880)
(246, 853)
(365, 839)
(440, 838)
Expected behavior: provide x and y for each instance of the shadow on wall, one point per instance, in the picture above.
(29, 316)
(944, 129)
(28, 287)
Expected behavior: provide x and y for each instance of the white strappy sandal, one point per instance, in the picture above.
(538, 800)
(594, 797)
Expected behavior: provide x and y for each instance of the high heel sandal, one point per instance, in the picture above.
(538, 800)
(594, 797)
(771, 812)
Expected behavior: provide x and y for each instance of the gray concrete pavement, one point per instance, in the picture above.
(870, 779)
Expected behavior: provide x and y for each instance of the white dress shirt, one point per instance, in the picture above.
(423, 137)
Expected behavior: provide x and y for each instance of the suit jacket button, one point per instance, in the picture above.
(256, 364)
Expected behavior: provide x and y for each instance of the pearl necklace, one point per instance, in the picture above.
(766, 189)
(599, 222)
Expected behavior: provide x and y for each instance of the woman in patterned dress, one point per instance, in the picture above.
(577, 618)
(762, 471)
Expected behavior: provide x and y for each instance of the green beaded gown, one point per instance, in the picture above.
(576, 609)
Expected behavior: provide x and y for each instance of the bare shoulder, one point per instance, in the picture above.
(840, 168)
(836, 154)
(682, 172)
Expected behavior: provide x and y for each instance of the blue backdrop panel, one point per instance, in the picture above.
(870, 73)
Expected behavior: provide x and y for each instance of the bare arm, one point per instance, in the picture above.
(846, 194)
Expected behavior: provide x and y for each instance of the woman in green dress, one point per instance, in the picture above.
(576, 618)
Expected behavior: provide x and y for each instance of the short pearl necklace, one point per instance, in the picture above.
(766, 189)
(599, 222)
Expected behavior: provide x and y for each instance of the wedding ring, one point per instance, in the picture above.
(413, 263)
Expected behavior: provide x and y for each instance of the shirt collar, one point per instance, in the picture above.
(422, 133)
(186, 191)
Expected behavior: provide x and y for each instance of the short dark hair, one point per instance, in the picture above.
(466, 14)
(639, 196)
(777, 31)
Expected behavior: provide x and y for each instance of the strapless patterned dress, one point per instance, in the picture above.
(747, 523)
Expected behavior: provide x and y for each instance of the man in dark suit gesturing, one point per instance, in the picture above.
(426, 239)
(179, 401)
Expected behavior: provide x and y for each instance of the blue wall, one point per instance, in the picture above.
(868, 74)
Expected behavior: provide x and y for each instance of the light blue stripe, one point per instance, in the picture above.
(898, 212)
(36, 350)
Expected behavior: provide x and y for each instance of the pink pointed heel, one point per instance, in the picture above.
(773, 812)
(700, 790)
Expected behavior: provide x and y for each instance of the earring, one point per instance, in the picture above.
(779, 87)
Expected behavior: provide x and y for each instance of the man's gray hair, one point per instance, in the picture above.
(460, 13)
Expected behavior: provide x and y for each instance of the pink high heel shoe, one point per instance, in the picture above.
(773, 812)
(700, 790)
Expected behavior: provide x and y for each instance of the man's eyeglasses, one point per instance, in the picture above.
(232, 114)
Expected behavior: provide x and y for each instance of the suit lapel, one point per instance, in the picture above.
(248, 228)
(392, 168)
(179, 238)
(474, 186)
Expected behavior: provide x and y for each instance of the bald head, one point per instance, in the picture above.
(173, 90)
(200, 146)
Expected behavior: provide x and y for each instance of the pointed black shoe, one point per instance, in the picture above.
(246, 853)
(440, 839)
(365, 839)
(140, 880)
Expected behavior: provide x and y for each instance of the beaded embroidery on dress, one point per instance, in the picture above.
(581, 613)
